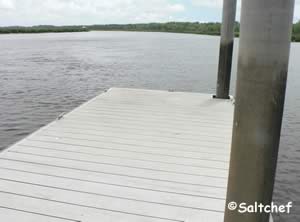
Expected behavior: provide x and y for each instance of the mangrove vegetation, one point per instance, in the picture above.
(211, 28)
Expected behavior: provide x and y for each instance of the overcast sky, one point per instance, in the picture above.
(79, 12)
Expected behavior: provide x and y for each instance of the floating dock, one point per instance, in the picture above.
(127, 155)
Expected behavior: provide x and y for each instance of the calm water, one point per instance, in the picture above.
(44, 75)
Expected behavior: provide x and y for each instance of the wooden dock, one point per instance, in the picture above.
(127, 155)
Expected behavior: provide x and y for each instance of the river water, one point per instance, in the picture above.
(43, 75)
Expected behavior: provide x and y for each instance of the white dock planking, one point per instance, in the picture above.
(127, 155)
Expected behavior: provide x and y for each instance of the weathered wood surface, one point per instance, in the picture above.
(127, 155)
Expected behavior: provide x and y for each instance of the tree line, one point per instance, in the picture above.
(42, 29)
(296, 32)
(177, 27)
(210, 28)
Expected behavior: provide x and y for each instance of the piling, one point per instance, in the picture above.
(260, 93)
(226, 49)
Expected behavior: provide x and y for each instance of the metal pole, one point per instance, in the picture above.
(264, 49)
(226, 49)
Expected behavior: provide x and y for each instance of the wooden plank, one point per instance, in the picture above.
(15, 214)
(127, 163)
(73, 174)
(133, 148)
(121, 171)
(126, 155)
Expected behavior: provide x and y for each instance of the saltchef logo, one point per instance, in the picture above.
(260, 208)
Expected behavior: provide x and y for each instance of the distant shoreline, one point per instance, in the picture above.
(41, 29)
(213, 29)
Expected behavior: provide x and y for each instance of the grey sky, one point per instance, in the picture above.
(68, 12)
